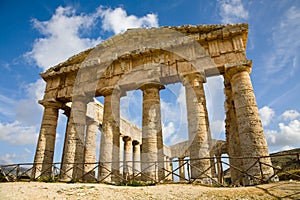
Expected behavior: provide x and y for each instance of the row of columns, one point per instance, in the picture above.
(152, 156)
(243, 128)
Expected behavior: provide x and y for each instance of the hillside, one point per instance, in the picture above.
(285, 160)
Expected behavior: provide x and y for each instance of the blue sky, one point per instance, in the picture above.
(36, 35)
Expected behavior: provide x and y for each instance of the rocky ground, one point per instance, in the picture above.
(40, 190)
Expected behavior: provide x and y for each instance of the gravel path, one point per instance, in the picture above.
(41, 191)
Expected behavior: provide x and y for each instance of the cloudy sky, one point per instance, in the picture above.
(36, 35)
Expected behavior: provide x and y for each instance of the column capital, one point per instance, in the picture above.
(112, 90)
(193, 79)
(233, 68)
(148, 85)
(52, 103)
(91, 121)
(67, 110)
(83, 98)
(127, 138)
(135, 142)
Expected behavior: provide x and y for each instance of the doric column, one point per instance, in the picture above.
(78, 113)
(251, 134)
(220, 169)
(90, 150)
(181, 169)
(127, 158)
(136, 157)
(232, 136)
(212, 164)
(152, 141)
(109, 169)
(73, 156)
(68, 151)
(67, 112)
(198, 126)
(170, 168)
(45, 147)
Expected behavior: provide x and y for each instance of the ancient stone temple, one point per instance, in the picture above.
(148, 59)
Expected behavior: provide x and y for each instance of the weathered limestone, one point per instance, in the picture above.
(45, 147)
(78, 113)
(73, 155)
(253, 142)
(169, 168)
(152, 58)
(152, 145)
(68, 157)
(181, 169)
(127, 158)
(232, 136)
(197, 126)
(109, 169)
(90, 150)
(136, 157)
(220, 169)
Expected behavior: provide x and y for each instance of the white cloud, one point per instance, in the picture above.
(217, 129)
(286, 148)
(215, 98)
(131, 107)
(181, 100)
(17, 134)
(284, 59)
(118, 21)
(7, 158)
(27, 115)
(27, 110)
(168, 130)
(232, 11)
(15, 157)
(266, 115)
(62, 37)
(288, 134)
(290, 115)
(6, 105)
(175, 127)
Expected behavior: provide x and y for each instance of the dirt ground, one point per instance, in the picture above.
(40, 190)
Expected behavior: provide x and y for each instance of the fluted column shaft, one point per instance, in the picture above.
(64, 165)
(78, 123)
(198, 130)
(90, 150)
(232, 136)
(170, 168)
(152, 141)
(181, 169)
(109, 169)
(127, 158)
(220, 168)
(136, 157)
(251, 134)
(46, 141)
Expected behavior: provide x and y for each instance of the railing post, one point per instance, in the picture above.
(261, 170)
(18, 171)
